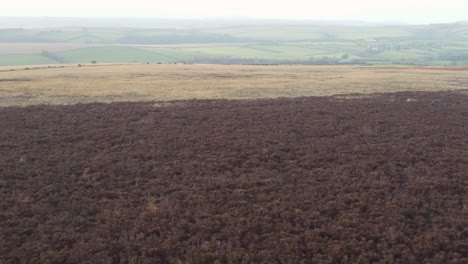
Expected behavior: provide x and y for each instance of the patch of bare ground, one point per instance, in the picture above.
(311, 179)
(169, 104)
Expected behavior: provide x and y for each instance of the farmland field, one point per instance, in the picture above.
(37, 48)
(290, 42)
(233, 164)
(233, 53)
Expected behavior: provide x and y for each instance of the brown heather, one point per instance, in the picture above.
(350, 179)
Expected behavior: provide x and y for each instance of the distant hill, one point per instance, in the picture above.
(78, 40)
(54, 22)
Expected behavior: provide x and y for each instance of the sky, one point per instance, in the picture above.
(406, 11)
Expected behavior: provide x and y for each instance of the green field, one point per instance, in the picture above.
(443, 44)
(6, 60)
(112, 55)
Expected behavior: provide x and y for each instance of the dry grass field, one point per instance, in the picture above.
(109, 83)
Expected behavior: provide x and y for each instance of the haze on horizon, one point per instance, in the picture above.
(404, 11)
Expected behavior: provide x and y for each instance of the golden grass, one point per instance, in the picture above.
(108, 83)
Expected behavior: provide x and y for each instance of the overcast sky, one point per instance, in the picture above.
(410, 11)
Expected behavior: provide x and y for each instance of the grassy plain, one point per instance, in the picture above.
(108, 83)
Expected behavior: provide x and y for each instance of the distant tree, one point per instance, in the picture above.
(345, 57)
(93, 62)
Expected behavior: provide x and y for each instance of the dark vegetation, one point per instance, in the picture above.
(53, 56)
(319, 180)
